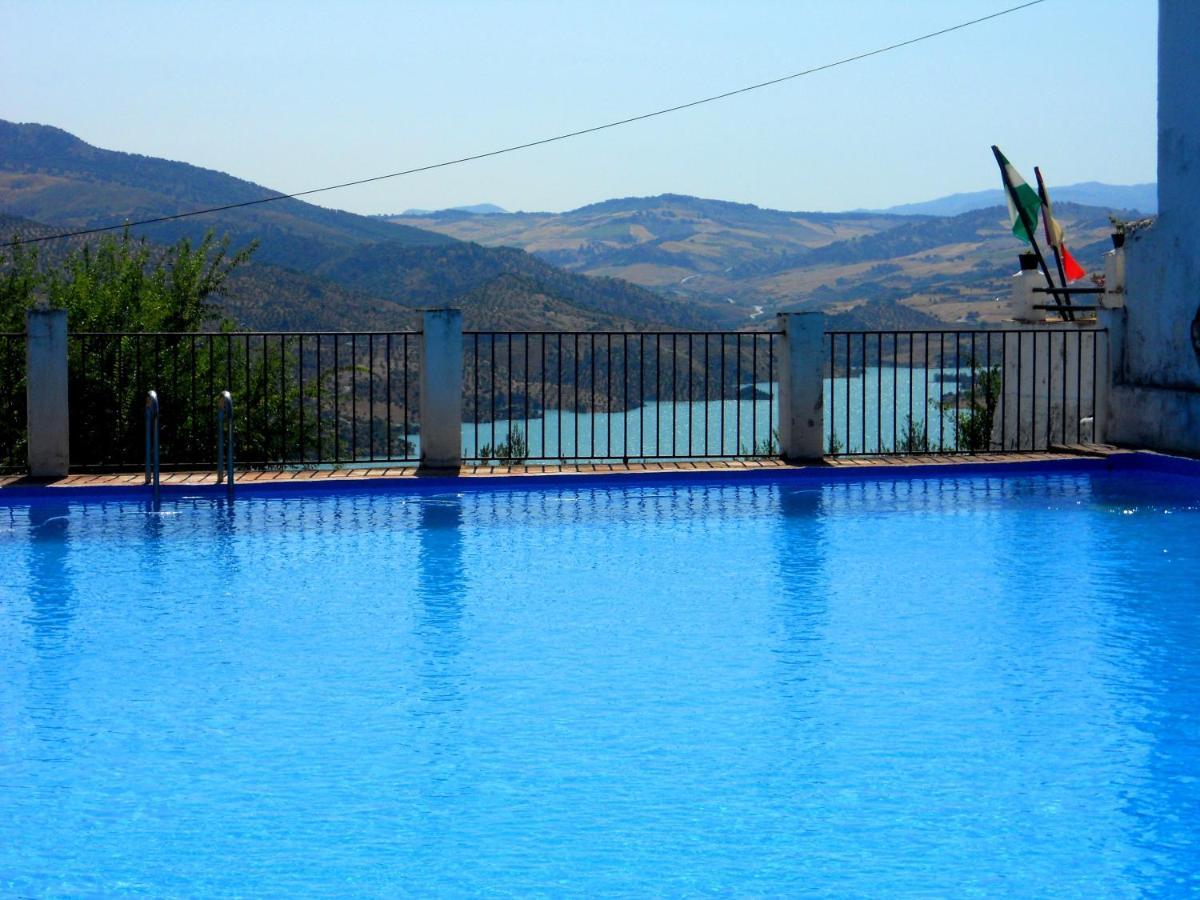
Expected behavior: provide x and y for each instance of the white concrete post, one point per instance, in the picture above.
(801, 386)
(1114, 279)
(1024, 299)
(46, 392)
(441, 389)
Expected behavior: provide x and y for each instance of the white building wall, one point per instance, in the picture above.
(1155, 399)
(1051, 394)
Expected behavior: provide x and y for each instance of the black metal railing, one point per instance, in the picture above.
(323, 398)
(301, 398)
(12, 401)
(563, 396)
(961, 391)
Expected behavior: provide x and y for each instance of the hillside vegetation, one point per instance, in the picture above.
(757, 260)
(313, 267)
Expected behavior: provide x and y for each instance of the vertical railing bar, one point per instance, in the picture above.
(754, 390)
(1003, 387)
(1079, 388)
(879, 393)
(895, 390)
(527, 383)
(973, 364)
(409, 446)
(319, 411)
(957, 375)
(542, 392)
(1049, 388)
(864, 392)
(492, 390)
(370, 397)
(266, 404)
(283, 454)
(475, 404)
(690, 397)
(337, 402)
(912, 356)
(625, 396)
(706, 394)
(770, 442)
(658, 394)
(354, 398)
(608, 399)
(849, 443)
(387, 368)
(941, 381)
(1033, 392)
(300, 396)
(737, 393)
(674, 392)
(592, 411)
(1020, 386)
(925, 414)
(192, 417)
(560, 397)
(1063, 346)
(721, 398)
(575, 448)
(1095, 374)
(641, 395)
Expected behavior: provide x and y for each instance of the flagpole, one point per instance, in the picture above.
(1062, 273)
(1030, 230)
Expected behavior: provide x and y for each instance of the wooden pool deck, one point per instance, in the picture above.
(127, 479)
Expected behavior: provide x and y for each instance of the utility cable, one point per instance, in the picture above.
(549, 140)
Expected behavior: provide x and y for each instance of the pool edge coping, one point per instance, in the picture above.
(1120, 460)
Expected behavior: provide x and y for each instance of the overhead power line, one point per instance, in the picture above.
(542, 141)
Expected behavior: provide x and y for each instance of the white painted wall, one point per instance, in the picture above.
(46, 392)
(1156, 391)
(1050, 387)
(801, 385)
(441, 389)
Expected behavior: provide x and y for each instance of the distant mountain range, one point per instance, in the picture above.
(479, 209)
(669, 261)
(1142, 198)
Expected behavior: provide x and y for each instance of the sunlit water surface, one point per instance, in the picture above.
(941, 686)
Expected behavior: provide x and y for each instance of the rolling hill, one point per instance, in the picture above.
(314, 267)
(668, 261)
(757, 261)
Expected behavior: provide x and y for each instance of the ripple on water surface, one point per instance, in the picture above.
(933, 685)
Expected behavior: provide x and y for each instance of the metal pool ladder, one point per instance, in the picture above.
(225, 439)
(152, 440)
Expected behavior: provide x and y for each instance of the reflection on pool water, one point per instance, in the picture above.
(942, 685)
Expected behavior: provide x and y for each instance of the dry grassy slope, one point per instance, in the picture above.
(656, 241)
(324, 268)
(751, 257)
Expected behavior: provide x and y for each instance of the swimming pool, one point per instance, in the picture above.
(979, 680)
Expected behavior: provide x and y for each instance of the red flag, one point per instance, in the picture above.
(1073, 270)
(1054, 237)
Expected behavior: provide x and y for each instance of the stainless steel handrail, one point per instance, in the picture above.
(152, 440)
(224, 439)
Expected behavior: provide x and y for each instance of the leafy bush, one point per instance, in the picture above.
(973, 428)
(513, 452)
(913, 439)
(126, 287)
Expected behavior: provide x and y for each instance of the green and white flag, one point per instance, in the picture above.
(1025, 196)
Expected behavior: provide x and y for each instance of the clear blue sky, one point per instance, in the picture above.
(295, 95)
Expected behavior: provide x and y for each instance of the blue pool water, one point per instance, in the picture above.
(973, 683)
